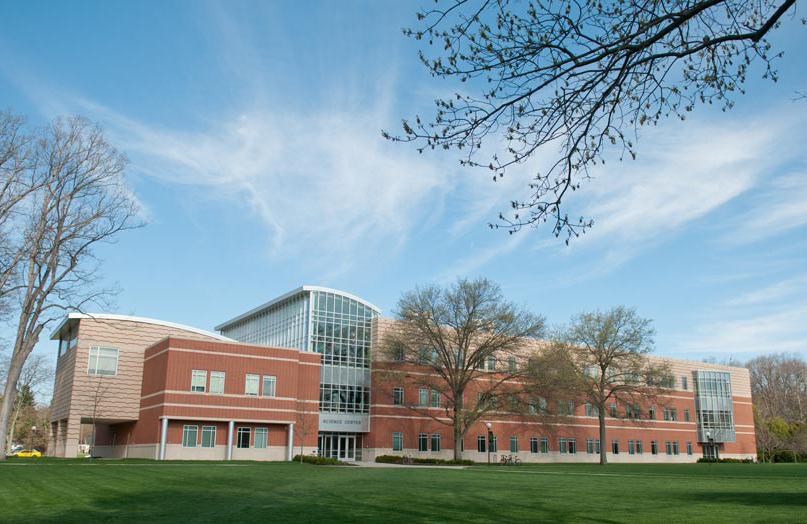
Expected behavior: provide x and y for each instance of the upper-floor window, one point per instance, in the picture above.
(684, 383)
(198, 381)
(491, 363)
(269, 385)
(423, 397)
(103, 361)
(435, 399)
(251, 388)
(511, 364)
(397, 396)
(217, 382)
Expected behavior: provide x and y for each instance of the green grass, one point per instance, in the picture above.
(63, 491)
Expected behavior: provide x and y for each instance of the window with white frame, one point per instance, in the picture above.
(686, 415)
(597, 446)
(269, 385)
(423, 397)
(511, 364)
(562, 446)
(243, 436)
(252, 385)
(631, 448)
(435, 442)
(544, 444)
(102, 361)
(533, 444)
(261, 437)
(615, 447)
(481, 443)
(397, 396)
(435, 398)
(675, 447)
(189, 435)
(689, 448)
(513, 444)
(639, 447)
(669, 447)
(397, 441)
(653, 447)
(572, 444)
(684, 383)
(198, 381)
(492, 363)
(208, 436)
(217, 382)
(423, 442)
(494, 445)
(590, 446)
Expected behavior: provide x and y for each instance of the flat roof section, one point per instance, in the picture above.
(287, 296)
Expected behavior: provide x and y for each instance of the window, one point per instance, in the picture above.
(588, 409)
(667, 414)
(511, 364)
(533, 444)
(251, 388)
(513, 444)
(189, 434)
(615, 447)
(397, 441)
(198, 381)
(208, 436)
(572, 445)
(261, 437)
(684, 383)
(652, 414)
(462, 445)
(481, 441)
(654, 447)
(436, 442)
(423, 397)
(590, 446)
(631, 448)
(686, 415)
(491, 363)
(269, 385)
(423, 356)
(435, 398)
(544, 445)
(639, 450)
(494, 446)
(103, 361)
(217, 382)
(570, 408)
(243, 433)
(689, 448)
(597, 446)
(562, 446)
(675, 447)
(542, 405)
(669, 447)
(673, 414)
(423, 442)
(613, 410)
(397, 396)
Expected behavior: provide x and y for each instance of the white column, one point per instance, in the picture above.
(163, 436)
(290, 453)
(230, 428)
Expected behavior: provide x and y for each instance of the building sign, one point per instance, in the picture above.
(344, 422)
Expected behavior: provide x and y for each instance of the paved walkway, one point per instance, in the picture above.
(413, 466)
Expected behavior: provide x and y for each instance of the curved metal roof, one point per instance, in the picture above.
(106, 316)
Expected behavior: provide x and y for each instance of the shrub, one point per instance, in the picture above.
(395, 459)
(321, 461)
(726, 460)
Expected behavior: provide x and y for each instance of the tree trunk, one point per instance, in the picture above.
(457, 434)
(13, 426)
(603, 457)
(9, 396)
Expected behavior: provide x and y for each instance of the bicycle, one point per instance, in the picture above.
(408, 460)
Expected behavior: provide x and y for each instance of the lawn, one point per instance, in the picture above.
(62, 491)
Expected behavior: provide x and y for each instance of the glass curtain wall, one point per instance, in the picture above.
(714, 407)
(282, 325)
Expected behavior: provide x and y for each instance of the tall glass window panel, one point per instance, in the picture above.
(102, 361)
(261, 437)
(615, 447)
(397, 441)
(436, 442)
(208, 436)
(513, 444)
(533, 444)
(423, 442)
(398, 396)
(252, 384)
(243, 437)
(481, 444)
(423, 397)
(269, 385)
(189, 435)
(198, 381)
(544, 444)
(217, 382)
(435, 399)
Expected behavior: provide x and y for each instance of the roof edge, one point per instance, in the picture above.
(143, 320)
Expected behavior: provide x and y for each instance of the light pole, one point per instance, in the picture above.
(33, 429)
(490, 439)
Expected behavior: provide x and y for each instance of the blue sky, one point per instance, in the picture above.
(253, 130)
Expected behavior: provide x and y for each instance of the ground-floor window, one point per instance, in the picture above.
(572, 444)
(208, 436)
(480, 443)
(615, 447)
(544, 445)
(189, 434)
(639, 450)
(436, 442)
(590, 446)
(675, 447)
(397, 441)
(654, 447)
(562, 446)
(689, 448)
(597, 446)
(243, 437)
(669, 447)
(423, 442)
(261, 437)
(494, 445)
(513, 444)
(533, 444)
(631, 448)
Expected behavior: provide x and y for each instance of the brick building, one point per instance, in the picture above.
(303, 373)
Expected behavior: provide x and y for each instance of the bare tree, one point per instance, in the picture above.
(37, 372)
(304, 425)
(582, 78)
(80, 200)
(443, 341)
(98, 392)
(605, 361)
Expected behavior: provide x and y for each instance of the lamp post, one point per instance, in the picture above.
(490, 439)
(33, 429)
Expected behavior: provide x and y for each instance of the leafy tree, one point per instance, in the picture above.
(580, 77)
(444, 340)
(604, 355)
(67, 193)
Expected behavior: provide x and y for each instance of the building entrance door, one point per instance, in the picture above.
(341, 446)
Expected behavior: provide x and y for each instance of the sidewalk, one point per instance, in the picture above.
(412, 466)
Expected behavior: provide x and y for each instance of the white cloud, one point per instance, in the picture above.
(779, 207)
